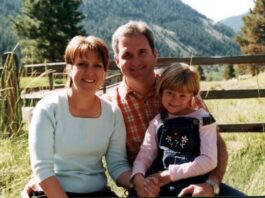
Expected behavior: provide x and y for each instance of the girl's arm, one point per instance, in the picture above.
(148, 150)
(202, 164)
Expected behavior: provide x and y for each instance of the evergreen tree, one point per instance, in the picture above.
(45, 27)
(241, 69)
(201, 72)
(252, 36)
(228, 72)
(8, 39)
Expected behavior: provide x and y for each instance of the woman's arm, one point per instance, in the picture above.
(52, 188)
(41, 145)
(124, 179)
(116, 157)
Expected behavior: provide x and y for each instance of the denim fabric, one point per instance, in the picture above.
(179, 139)
(179, 142)
(104, 193)
(226, 190)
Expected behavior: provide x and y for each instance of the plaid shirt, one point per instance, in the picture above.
(137, 112)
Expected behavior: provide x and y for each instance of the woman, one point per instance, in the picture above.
(73, 130)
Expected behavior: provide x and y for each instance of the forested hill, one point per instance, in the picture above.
(7, 37)
(179, 30)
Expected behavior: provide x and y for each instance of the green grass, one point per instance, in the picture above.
(14, 166)
(39, 81)
(246, 165)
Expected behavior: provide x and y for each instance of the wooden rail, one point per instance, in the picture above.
(206, 95)
(260, 59)
(59, 67)
(52, 68)
(233, 94)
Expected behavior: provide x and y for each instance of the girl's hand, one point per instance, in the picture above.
(151, 186)
(138, 181)
(163, 177)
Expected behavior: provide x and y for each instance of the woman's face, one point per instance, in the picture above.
(87, 73)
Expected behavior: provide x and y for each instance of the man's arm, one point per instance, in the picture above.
(222, 157)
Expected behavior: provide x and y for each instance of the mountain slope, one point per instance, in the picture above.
(179, 29)
(235, 22)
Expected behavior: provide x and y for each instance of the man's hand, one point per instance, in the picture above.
(29, 188)
(163, 177)
(197, 190)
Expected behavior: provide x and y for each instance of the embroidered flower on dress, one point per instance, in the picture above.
(168, 139)
(184, 141)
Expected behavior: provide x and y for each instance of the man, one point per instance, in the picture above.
(136, 56)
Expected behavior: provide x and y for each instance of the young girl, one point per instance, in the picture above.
(180, 146)
(71, 131)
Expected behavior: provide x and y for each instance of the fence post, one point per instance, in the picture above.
(10, 91)
(51, 81)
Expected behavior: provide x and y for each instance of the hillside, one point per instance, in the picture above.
(235, 22)
(179, 30)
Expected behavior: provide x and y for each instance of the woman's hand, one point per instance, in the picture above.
(31, 186)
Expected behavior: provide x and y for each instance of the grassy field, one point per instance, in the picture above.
(246, 166)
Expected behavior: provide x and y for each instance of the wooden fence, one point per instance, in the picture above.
(54, 68)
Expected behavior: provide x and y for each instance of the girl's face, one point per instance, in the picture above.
(87, 73)
(176, 102)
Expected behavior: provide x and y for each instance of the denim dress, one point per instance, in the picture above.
(179, 142)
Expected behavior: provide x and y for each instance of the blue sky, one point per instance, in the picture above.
(220, 9)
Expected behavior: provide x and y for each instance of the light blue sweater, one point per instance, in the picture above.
(71, 148)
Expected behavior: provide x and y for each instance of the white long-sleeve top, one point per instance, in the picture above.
(71, 148)
(205, 162)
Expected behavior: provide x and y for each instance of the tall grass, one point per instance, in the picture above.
(14, 165)
(246, 165)
(10, 107)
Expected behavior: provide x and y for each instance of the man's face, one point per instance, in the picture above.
(135, 58)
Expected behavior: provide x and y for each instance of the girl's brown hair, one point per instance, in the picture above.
(180, 77)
